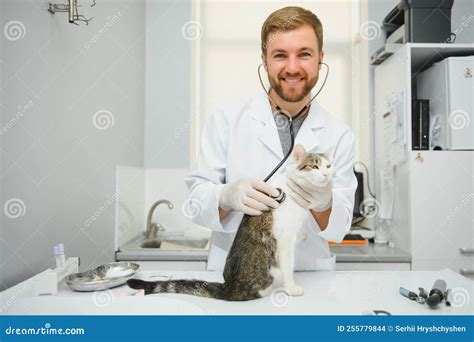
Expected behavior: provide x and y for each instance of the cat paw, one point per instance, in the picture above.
(295, 290)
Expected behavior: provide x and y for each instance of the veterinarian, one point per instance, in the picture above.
(244, 141)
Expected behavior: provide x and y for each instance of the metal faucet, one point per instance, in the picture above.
(152, 228)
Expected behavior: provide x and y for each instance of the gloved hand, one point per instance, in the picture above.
(317, 196)
(249, 196)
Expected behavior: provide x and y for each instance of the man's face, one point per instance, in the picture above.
(292, 62)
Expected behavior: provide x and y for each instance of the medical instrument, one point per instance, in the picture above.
(290, 119)
(281, 196)
(376, 313)
(411, 295)
(449, 297)
(437, 293)
(423, 293)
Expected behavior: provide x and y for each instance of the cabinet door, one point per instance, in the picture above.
(372, 266)
(442, 205)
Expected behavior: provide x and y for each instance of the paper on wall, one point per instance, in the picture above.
(386, 200)
(395, 151)
(398, 109)
(390, 134)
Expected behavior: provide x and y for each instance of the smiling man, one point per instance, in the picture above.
(244, 141)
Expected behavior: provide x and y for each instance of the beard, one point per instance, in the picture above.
(293, 94)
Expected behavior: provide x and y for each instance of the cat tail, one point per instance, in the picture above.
(193, 287)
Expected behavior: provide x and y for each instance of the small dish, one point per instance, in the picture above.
(102, 277)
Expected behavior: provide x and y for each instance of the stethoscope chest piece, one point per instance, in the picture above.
(281, 196)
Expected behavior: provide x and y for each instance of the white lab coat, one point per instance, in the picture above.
(241, 140)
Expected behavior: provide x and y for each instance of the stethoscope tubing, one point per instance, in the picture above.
(290, 119)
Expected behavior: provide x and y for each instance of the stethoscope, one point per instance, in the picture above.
(290, 119)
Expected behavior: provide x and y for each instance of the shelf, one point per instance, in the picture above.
(424, 55)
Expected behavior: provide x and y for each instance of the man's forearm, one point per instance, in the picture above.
(322, 217)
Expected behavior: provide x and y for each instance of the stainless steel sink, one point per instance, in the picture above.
(166, 241)
(166, 246)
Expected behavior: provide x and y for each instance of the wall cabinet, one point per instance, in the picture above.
(433, 197)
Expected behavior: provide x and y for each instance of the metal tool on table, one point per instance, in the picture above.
(411, 295)
(437, 294)
(376, 313)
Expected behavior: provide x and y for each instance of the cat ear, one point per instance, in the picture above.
(298, 153)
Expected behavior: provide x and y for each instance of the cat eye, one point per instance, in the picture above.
(315, 167)
(329, 166)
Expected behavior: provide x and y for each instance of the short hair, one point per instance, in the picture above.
(290, 18)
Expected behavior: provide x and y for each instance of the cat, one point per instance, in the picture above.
(262, 254)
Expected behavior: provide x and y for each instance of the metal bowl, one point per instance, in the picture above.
(102, 277)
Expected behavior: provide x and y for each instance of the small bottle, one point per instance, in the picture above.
(62, 255)
(57, 257)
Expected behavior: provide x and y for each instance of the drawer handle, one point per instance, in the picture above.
(466, 250)
(465, 271)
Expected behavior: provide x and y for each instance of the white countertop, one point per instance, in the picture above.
(326, 293)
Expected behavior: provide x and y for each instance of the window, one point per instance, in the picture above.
(228, 54)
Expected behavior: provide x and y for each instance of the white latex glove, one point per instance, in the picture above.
(249, 196)
(317, 196)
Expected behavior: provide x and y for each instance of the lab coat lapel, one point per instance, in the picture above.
(270, 138)
(266, 131)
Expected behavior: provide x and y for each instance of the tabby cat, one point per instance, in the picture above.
(262, 254)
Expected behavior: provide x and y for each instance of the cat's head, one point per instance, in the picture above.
(314, 167)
